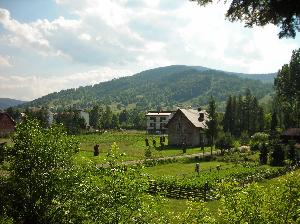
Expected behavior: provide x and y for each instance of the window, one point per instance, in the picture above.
(153, 119)
(162, 119)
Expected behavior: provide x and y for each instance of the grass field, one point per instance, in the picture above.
(131, 144)
(182, 169)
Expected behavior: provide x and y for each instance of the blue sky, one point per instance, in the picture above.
(49, 45)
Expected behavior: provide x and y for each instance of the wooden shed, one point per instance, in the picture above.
(291, 134)
(188, 126)
(7, 124)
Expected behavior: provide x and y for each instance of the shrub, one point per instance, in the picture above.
(277, 153)
(225, 142)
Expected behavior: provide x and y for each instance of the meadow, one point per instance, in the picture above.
(131, 145)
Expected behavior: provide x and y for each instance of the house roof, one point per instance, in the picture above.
(3, 114)
(291, 132)
(158, 113)
(193, 116)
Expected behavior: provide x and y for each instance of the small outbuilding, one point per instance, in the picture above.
(187, 126)
(291, 134)
(7, 124)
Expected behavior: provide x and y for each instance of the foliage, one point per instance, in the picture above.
(212, 124)
(257, 204)
(277, 153)
(162, 87)
(243, 114)
(257, 140)
(71, 120)
(39, 114)
(260, 137)
(262, 12)
(287, 86)
(95, 117)
(263, 157)
(292, 153)
(196, 212)
(41, 174)
(245, 138)
(45, 184)
(192, 186)
(225, 142)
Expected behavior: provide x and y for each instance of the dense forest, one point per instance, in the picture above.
(164, 87)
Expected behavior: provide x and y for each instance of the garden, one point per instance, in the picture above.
(50, 177)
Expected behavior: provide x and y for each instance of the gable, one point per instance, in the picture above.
(191, 116)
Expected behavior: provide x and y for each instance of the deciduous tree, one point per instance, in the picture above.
(282, 13)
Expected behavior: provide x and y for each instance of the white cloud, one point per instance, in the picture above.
(4, 61)
(32, 87)
(85, 36)
(135, 35)
(22, 31)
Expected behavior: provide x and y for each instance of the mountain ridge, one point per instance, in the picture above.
(159, 87)
(8, 102)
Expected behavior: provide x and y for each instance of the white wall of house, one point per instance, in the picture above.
(85, 116)
(156, 122)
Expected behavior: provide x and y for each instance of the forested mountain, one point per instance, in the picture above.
(166, 86)
(266, 78)
(6, 102)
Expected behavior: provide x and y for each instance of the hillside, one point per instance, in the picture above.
(7, 102)
(166, 86)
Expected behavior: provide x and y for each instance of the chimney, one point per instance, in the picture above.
(201, 117)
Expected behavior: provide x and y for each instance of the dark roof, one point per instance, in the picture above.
(291, 132)
(3, 114)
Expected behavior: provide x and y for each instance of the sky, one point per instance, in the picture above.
(50, 45)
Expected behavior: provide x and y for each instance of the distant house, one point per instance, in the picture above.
(157, 120)
(85, 116)
(188, 126)
(291, 134)
(7, 124)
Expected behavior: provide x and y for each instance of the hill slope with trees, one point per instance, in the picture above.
(160, 87)
(6, 103)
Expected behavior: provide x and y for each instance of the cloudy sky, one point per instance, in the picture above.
(49, 45)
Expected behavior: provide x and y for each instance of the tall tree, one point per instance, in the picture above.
(95, 117)
(229, 116)
(107, 118)
(285, 14)
(212, 124)
(287, 86)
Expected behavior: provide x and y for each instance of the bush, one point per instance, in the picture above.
(259, 137)
(277, 153)
(41, 174)
(225, 142)
(263, 156)
(245, 138)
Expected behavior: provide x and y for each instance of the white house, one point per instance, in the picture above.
(85, 116)
(157, 120)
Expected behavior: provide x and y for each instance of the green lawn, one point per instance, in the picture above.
(182, 169)
(131, 145)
